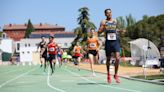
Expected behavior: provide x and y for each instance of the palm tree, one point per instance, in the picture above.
(83, 17)
(84, 25)
(83, 21)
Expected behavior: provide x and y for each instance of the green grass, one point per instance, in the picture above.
(150, 77)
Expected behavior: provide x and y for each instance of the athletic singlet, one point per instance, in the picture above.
(42, 44)
(77, 49)
(64, 55)
(92, 43)
(52, 48)
(110, 30)
(59, 51)
(112, 43)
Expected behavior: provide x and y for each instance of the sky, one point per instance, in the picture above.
(65, 12)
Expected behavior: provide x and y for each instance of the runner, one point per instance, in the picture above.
(93, 47)
(64, 56)
(59, 55)
(112, 43)
(43, 52)
(52, 46)
(77, 54)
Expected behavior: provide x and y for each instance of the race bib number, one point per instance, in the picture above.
(92, 45)
(111, 36)
(51, 49)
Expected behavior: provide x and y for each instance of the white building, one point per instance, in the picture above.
(27, 47)
(64, 42)
(6, 46)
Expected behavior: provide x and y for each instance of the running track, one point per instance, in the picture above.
(65, 79)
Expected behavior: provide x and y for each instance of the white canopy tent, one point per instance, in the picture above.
(144, 52)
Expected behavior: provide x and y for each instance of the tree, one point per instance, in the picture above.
(84, 25)
(121, 22)
(83, 21)
(1, 34)
(29, 29)
(130, 21)
(126, 24)
(151, 28)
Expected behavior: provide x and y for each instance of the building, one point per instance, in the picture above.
(27, 47)
(17, 32)
(6, 49)
(64, 39)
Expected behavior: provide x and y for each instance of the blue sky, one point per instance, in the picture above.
(65, 12)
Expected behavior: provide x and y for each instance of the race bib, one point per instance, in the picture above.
(111, 36)
(92, 45)
(51, 49)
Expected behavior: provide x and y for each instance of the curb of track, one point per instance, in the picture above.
(135, 79)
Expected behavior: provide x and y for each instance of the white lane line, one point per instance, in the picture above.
(129, 90)
(48, 83)
(23, 74)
